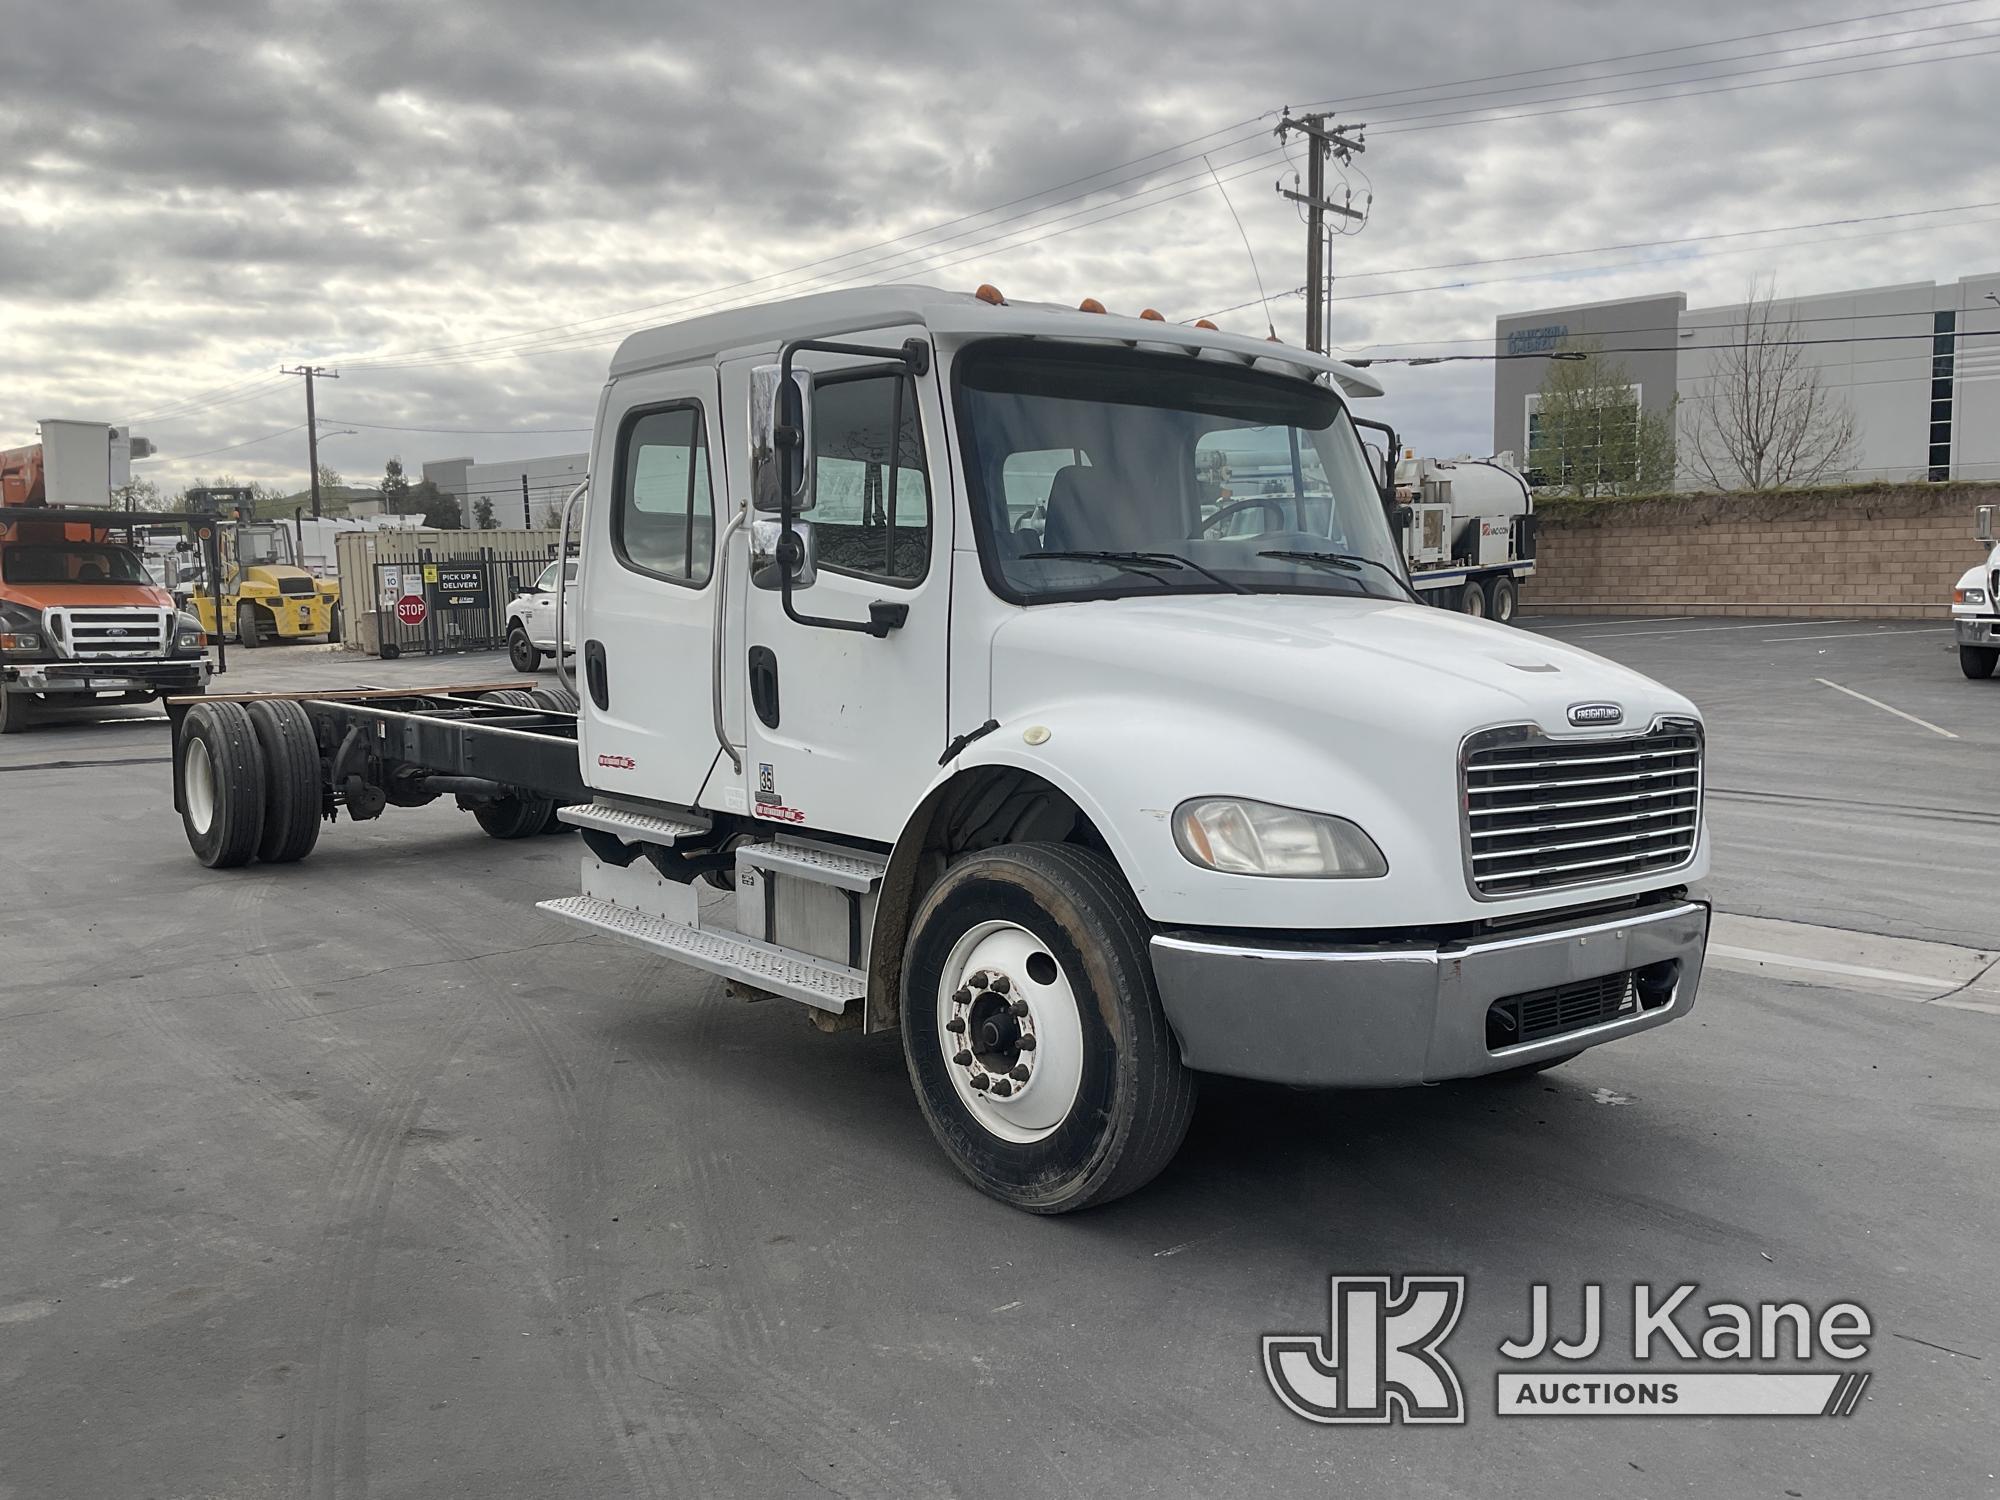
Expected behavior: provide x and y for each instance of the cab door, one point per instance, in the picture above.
(844, 729)
(644, 618)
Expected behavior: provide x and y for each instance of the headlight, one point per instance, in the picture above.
(20, 628)
(1255, 838)
(188, 634)
(1975, 597)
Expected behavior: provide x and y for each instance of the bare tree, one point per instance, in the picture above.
(1762, 420)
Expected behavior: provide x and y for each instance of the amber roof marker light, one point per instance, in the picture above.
(1090, 304)
(990, 293)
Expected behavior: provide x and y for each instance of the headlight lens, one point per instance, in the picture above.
(1255, 838)
(188, 634)
(20, 628)
(1975, 597)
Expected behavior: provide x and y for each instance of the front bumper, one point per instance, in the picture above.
(1972, 631)
(61, 677)
(1392, 1014)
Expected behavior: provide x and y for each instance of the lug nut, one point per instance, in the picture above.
(1019, 1008)
(956, 1023)
(980, 979)
(1020, 1073)
(980, 1081)
(1026, 1043)
(1002, 1089)
(961, 1057)
(961, 996)
(1001, 984)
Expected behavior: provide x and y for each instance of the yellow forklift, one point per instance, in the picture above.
(266, 595)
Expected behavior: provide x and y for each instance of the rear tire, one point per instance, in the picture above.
(1978, 662)
(1062, 927)
(515, 816)
(221, 770)
(292, 798)
(249, 626)
(1503, 600)
(1472, 600)
(521, 651)
(554, 696)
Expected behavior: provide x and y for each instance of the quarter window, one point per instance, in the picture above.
(664, 520)
(872, 513)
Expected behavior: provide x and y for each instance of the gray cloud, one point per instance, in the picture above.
(208, 190)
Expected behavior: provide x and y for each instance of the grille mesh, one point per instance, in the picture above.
(1541, 1014)
(1542, 814)
(111, 633)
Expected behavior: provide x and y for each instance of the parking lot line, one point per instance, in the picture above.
(1849, 635)
(1615, 635)
(1877, 702)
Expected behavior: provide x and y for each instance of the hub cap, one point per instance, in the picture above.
(1010, 1032)
(198, 785)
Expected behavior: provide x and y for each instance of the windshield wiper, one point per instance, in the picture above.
(1142, 562)
(1345, 562)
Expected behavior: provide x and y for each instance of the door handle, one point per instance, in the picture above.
(595, 677)
(764, 685)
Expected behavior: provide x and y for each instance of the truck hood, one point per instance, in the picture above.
(1404, 668)
(87, 595)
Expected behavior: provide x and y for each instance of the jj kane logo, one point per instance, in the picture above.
(1383, 1358)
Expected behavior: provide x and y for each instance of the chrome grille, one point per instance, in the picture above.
(110, 633)
(1542, 814)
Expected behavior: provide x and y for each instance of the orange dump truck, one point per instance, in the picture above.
(80, 619)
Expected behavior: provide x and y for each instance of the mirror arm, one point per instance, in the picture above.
(914, 355)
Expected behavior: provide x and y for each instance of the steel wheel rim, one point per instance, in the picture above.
(198, 785)
(996, 967)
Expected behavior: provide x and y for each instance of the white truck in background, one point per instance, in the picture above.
(942, 635)
(1975, 605)
(1468, 531)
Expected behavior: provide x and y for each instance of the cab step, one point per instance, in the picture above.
(823, 864)
(815, 981)
(630, 825)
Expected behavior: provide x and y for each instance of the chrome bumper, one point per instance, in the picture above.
(1975, 632)
(1401, 1014)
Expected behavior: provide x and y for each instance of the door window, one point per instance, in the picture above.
(873, 520)
(663, 522)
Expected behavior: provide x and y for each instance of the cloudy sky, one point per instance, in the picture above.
(461, 204)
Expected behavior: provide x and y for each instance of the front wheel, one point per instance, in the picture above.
(16, 710)
(1033, 1032)
(249, 626)
(1978, 662)
(521, 651)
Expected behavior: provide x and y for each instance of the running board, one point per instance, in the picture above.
(630, 826)
(822, 864)
(814, 981)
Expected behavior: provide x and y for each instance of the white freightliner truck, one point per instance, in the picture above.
(1975, 605)
(903, 619)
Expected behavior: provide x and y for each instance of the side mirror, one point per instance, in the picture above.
(1982, 523)
(781, 440)
(773, 553)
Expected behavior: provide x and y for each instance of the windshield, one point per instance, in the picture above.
(546, 584)
(71, 562)
(1186, 474)
(264, 546)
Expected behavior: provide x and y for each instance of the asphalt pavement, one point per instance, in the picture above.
(363, 1178)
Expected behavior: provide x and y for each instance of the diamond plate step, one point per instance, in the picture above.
(633, 827)
(823, 985)
(848, 869)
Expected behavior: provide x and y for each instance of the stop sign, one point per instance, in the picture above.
(411, 609)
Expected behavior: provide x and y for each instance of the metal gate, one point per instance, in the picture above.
(431, 601)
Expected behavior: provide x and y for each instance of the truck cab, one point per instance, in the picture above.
(929, 678)
(1975, 604)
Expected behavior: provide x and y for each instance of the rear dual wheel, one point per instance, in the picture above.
(517, 815)
(249, 783)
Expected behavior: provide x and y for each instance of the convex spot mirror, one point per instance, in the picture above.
(781, 443)
(774, 552)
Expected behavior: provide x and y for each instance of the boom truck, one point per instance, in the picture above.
(81, 620)
(928, 679)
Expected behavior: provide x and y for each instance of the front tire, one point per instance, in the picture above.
(17, 711)
(1978, 662)
(249, 626)
(521, 651)
(1033, 1032)
(221, 770)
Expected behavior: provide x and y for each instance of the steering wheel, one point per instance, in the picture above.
(1263, 502)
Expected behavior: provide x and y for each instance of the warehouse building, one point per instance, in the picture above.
(1917, 365)
(526, 492)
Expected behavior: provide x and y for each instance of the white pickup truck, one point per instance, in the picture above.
(531, 619)
(917, 624)
(1975, 605)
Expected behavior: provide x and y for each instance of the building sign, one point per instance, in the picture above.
(459, 588)
(1537, 340)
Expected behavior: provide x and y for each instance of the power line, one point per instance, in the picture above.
(229, 447)
(470, 431)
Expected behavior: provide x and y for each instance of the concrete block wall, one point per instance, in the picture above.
(1890, 552)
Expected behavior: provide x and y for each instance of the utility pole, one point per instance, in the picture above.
(1323, 139)
(312, 422)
